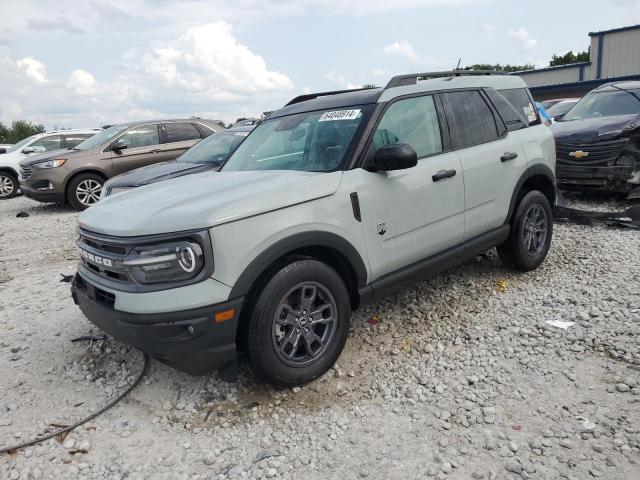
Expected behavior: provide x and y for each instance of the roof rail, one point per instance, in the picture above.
(311, 96)
(413, 78)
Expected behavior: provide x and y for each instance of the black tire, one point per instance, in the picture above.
(77, 185)
(8, 185)
(525, 248)
(265, 343)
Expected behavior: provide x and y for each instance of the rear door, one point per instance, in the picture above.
(492, 160)
(178, 137)
(408, 215)
(143, 148)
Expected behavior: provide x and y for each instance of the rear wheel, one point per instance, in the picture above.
(84, 190)
(531, 233)
(8, 185)
(299, 323)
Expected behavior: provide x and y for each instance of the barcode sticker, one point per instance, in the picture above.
(339, 115)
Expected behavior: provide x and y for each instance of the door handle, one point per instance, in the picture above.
(442, 174)
(508, 156)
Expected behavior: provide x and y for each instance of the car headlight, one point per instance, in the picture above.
(50, 164)
(166, 262)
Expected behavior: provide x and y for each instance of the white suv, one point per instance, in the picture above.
(336, 199)
(34, 145)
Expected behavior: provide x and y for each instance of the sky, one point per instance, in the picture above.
(80, 64)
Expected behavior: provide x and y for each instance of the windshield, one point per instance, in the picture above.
(560, 108)
(311, 141)
(215, 148)
(100, 137)
(20, 144)
(604, 104)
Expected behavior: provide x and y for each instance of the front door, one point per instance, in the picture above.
(411, 214)
(143, 148)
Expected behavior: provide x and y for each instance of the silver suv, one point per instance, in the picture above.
(334, 200)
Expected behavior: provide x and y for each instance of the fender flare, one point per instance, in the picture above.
(295, 242)
(9, 170)
(537, 169)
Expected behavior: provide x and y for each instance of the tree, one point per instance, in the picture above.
(497, 66)
(570, 57)
(19, 130)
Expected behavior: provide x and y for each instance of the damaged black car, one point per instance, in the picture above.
(598, 141)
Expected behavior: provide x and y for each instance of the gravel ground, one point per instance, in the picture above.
(457, 377)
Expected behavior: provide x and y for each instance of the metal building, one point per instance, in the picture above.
(615, 55)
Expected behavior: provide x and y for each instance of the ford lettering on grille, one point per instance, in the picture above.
(90, 257)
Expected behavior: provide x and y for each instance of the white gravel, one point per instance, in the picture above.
(458, 377)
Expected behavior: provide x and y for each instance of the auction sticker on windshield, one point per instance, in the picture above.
(340, 115)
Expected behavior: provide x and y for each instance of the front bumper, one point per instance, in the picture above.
(610, 178)
(187, 340)
(42, 195)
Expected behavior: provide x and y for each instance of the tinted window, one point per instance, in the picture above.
(214, 149)
(470, 119)
(180, 132)
(141, 136)
(413, 121)
(74, 139)
(513, 119)
(47, 144)
(519, 98)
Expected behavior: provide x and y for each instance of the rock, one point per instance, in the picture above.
(513, 466)
(69, 443)
(446, 467)
(14, 475)
(623, 387)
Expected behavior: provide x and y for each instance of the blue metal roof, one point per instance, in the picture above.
(595, 83)
(614, 30)
(556, 67)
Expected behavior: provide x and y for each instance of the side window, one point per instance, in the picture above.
(521, 101)
(142, 136)
(73, 139)
(470, 119)
(513, 119)
(47, 144)
(180, 132)
(413, 121)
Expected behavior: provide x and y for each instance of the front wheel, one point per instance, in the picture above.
(531, 232)
(8, 185)
(299, 323)
(84, 190)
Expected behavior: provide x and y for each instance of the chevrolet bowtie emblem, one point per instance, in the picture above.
(578, 154)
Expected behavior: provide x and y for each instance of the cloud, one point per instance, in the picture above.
(488, 29)
(340, 81)
(48, 24)
(523, 38)
(402, 49)
(82, 83)
(34, 69)
(208, 59)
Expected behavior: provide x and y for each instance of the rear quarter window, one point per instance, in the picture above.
(512, 118)
(522, 102)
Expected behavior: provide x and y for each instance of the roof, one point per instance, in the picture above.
(555, 67)
(615, 30)
(347, 99)
(71, 130)
(625, 85)
(169, 120)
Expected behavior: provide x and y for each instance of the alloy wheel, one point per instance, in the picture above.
(88, 192)
(304, 324)
(7, 186)
(535, 231)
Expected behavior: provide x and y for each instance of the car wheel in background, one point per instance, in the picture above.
(84, 190)
(299, 323)
(531, 232)
(8, 185)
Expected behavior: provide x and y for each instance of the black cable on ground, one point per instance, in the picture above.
(84, 420)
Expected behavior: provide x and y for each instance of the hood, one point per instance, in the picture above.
(595, 129)
(157, 172)
(206, 200)
(55, 154)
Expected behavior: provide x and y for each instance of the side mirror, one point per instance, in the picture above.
(119, 145)
(28, 150)
(394, 157)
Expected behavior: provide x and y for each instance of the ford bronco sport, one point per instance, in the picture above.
(334, 200)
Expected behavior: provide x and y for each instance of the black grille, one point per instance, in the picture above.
(25, 172)
(599, 154)
(115, 253)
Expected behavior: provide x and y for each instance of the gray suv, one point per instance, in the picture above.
(77, 175)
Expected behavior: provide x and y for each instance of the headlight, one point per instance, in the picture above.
(50, 164)
(166, 262)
